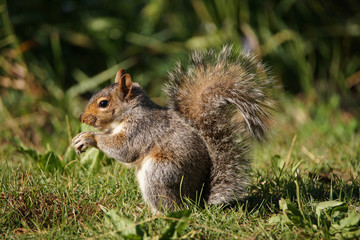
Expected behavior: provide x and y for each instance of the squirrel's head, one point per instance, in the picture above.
(108, 104)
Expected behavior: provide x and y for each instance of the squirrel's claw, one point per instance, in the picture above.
(83, 141)
(77, 151)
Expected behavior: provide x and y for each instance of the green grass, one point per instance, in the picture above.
(312, 156)
(53, 55)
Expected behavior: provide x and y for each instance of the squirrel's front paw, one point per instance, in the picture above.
(83, 141)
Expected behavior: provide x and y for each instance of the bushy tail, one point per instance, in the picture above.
(229, 97)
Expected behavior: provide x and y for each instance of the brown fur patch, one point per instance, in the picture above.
(120, 137)
(161, 155)
(115, 140)
(88, 115)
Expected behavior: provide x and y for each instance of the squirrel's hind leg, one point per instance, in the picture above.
(159, 185)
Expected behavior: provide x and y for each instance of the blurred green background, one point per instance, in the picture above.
(54, 54)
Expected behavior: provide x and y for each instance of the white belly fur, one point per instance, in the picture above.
(142, 177)
(118, 128)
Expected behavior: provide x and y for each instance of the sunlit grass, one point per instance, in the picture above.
(87, 196)
(49, 68)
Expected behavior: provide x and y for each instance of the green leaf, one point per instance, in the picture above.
(86, 128)
(353, 219)
(294, 216)
(326, 207)
(51, 162)
(355, 234)
(283, 204)
(91, 160)
(276, 219)
(173, 231)
(122, 225)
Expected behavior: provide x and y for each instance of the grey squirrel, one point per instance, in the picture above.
(196, 147)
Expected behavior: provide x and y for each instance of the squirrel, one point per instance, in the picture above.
(196, 147)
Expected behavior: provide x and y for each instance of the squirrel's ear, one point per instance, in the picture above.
(119, 75)
(125, 86)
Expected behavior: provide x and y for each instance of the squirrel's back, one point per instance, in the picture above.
(199, 145)
(228, 96)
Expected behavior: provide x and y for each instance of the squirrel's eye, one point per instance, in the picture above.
(104, 103)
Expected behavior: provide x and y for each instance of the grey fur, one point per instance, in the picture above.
(241, 85)
(200, 143)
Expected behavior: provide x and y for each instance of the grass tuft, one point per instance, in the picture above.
(294, 182)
